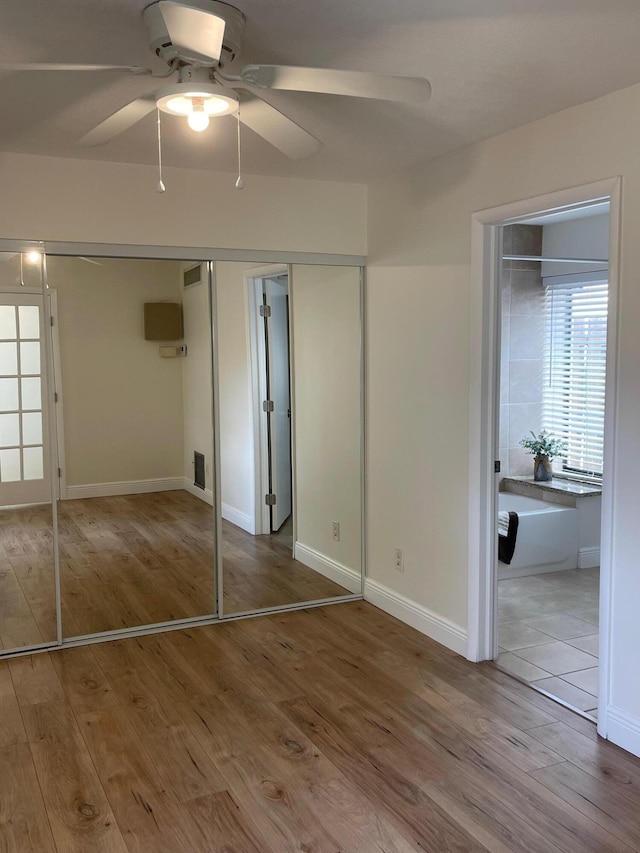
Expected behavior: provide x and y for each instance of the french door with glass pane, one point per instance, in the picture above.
(24, 445)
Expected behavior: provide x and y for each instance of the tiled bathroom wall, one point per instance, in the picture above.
(522, 348)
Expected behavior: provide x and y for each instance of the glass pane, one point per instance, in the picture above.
(31, 393)
(29, 321)
(8, 359)
(153, 420)
(9, 430)
(32, 461)
(318, 331)
(9, 466)
(32, 428)
(8, 395)
(30, 358)
(8, 322)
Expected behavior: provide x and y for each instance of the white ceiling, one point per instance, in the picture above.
(493, 65)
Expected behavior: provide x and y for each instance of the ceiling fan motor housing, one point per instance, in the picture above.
(234, 27)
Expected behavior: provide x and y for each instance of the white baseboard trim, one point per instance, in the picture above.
(436, 627)
(623, 729)
(240, 519)
(205, 495)
(132, 487)
(588, 558)
(505, 572)
(337, 572)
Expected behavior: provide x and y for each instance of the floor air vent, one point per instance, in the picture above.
(198, 468)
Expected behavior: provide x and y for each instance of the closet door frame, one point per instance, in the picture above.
(206, 256)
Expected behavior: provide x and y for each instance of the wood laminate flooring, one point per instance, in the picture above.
(133, 560)
(330, 730)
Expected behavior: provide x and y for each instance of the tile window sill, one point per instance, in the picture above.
(555, 491)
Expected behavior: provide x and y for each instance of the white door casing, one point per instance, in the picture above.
(483, 421)
(276, 292)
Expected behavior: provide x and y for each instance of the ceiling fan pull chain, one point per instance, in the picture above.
(239, 182)
(161, 187)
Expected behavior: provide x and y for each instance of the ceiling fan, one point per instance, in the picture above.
(198, 39)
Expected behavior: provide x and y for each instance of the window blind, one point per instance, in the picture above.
(575, 368)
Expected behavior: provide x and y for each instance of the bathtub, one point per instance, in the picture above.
(547, 537)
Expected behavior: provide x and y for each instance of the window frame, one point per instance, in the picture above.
(570, 282)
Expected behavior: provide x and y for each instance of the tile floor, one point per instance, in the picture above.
(548, 633)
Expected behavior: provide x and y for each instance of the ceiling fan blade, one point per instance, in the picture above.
(58, 66)
(120, 121)
(276, 128)
(329, 81)
(197, 35)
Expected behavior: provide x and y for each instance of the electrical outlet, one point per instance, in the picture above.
(399, 559)
(335, 526)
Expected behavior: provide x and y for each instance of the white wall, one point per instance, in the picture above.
(418, 332)
(587, 237)
(326, 409)
(52, 198)
(122, 402)
(196, 378)
(589, 526)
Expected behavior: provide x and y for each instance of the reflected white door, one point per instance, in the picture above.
(276, 292)
(24, 445)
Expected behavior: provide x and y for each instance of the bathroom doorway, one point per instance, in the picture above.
(559, 639)
(554, 279)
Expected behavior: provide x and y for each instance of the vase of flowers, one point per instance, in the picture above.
(544, 447)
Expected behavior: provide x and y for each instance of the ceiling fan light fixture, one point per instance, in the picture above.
(205, 98)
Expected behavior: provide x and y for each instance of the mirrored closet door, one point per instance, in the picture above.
(290, 437)
(133, 377)
(28, 613)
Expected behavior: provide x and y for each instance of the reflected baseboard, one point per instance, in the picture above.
(240, 519)
(337, 572)
(205, 495)
(125, 487)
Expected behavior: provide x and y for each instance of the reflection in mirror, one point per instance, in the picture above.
(27, 565)
(136, 534)
(290, 433)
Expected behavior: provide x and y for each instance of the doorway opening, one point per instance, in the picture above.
(545, 314)
(554, 280)
(270, 345)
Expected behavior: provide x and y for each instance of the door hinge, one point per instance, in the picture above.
(270, 499)
(265, 310)
(55, 396)
(51, 321)
(268, 406)
(59, 472)
(496, 466)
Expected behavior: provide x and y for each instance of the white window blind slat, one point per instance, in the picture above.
(575, 371)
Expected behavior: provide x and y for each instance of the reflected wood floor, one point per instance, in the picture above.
(133, 560)
(27, 583)
(259, 572)
(336, 730)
